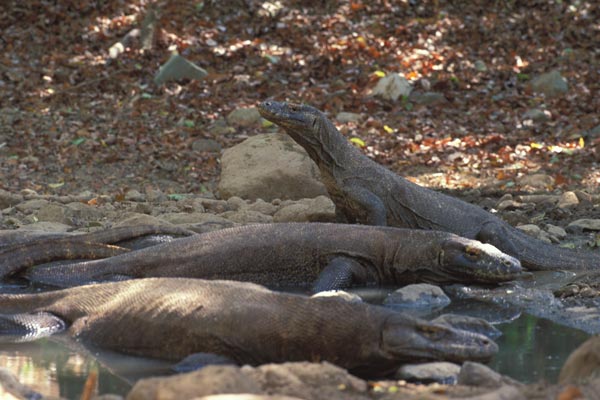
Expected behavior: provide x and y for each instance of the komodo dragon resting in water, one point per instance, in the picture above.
(171, 318)
(296, 254)
(368, 193)
(18, 251)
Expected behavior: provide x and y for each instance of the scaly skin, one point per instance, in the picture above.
(24, 252)
(300, 254)
(170, 318)
(365, 192)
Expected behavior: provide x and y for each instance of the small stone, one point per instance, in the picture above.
(480, 66)
(53, 212)
(567, 200)
(319, 209)
(530, 229)
(244, 117)
(582, 225)
(506, 197)
(30, 206)
(556, 231)
(537, 115)
(155, 196)
(236, 203)
(8, 199)
(345, 117)
(510, 205)
(392, 86)
(46, 226)
(262, 207)
(440, 372)
(420, 295)
(215, 206)
(551, 84)
(134, 195)
(537, 181)
(183, 218)
(476, 374)
(177, 68)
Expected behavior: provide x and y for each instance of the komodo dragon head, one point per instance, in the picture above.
(410, 339)
(469, 260)
(308, 126)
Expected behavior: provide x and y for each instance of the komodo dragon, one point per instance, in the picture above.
(296, 254)
(171, 318)
(368, 193)
(22, 251)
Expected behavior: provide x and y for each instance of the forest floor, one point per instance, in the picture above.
(73, 119)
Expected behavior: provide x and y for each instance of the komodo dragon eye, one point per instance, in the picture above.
(472, 252)
(431, 332)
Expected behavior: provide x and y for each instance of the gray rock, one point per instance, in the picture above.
(504, 392)
(320, 209)
(344, 117)
(480, 66)
(269, 166)
(420, 295)
(537, 115)
(510, 205)
(53, 212)
(530, 229)
(214, 206)
(467, 323)
(556, 231)
(440, 372)
(583, 363)
(392, 86)
(476, 374)
(132, 218)
(206, 145)
(46, 226)
(245, 216)
(263, 207)
(537, 181)
(245, 117)
(551, 84)
(236, 203)
(584, 224)
(178, 68)
(134, 195)
(8, 199)
(29, 206)
(83, 212)
(567, 200)
(155, 196)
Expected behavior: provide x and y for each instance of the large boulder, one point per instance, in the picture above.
(269, 166)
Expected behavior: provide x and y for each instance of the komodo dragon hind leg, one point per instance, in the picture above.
(340, 273)
(27, 327)
(196, 361)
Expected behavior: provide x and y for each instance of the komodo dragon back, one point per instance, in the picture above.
(172, 318)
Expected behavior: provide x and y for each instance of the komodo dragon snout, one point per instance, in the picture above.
(413, 340)
(461, 257)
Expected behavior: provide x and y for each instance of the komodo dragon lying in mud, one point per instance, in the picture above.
(298, 255)
(171, 318)
(368, 193)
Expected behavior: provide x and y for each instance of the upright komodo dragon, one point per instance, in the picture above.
(295, 255)
(171, 318)
(366, 192)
